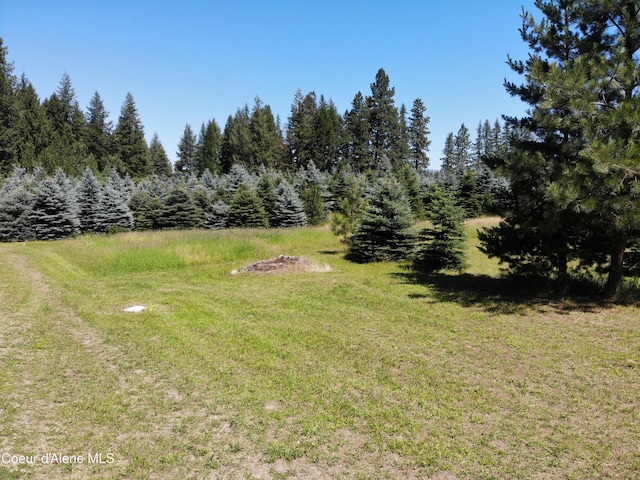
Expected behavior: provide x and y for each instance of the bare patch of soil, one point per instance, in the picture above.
(285, 263)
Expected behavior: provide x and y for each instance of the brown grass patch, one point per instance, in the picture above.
(285, 263)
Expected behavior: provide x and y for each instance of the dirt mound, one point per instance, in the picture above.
(284, 263)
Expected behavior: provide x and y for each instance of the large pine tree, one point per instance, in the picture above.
(575, 184)
(99, 131)
(384, 123)
(419, 135)
(130, 144)
(186, 154)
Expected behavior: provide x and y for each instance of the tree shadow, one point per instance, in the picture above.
(503, 295)
(331, 252)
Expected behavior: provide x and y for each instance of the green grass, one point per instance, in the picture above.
(365, 371)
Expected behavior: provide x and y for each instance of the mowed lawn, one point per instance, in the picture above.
(363, 371)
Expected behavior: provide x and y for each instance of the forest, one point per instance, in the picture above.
(564, 178)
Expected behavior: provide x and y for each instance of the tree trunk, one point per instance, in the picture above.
(615, 277)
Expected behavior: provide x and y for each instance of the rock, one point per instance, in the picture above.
(134, 309)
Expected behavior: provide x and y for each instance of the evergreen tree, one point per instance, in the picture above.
(130, 144)
(160, 164)
(218, 216)
(208, 148)
(328, 135)
(264, 137)
(66, 126)
(443, 245)
(31, 126)
(386, 229)
(469, 199)
(16, 204)
(314, 209)
(88, 194)
(9, 114)
(246, 209)
(350, 208)
(448, 156)
(575, 184)
(358, 141)
(145, 210)
(268, 194)
(179, 211)
(236, 148)
(147, 201)
(408, 178)
(418, 136)
(114, 213)
(186, 154)
(54, 215)
(311, 175)
(289, 208)
(300, 131)
(71, 114)
(237, 176)
(384, 125)
(99, 131)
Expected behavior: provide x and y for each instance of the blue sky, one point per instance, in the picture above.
(190, 61)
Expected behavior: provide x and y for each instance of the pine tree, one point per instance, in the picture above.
(358, 141)
(54, 215)
(208, 148)
(443, 245)
(311, 197)
(448, 157)
(386, 229)
(237, 176)
(16, 205)
(300, 130)
(217, 217)
(31, 127)
(160, 164)
(186, 154)
(246, 209)
(267, 192)
(264, 137)
(384, 125)
(236, 148)
(289, 208)
(418, 135)
(348, 191)
(9, 114)
(115, 214)
(575, 184)
(130, 144)
(99, 131)
(88, 194)
(328, 135)
(180, 211)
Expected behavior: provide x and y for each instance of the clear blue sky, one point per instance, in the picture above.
(190, 61)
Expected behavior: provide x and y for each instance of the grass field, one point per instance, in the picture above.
(360, 372)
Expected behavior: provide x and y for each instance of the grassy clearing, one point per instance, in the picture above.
(364, 371)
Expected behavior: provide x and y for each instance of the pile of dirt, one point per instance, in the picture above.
(283, 263)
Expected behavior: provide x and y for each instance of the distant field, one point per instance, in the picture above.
(360, 372)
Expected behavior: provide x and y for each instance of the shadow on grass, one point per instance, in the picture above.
(505, 295)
